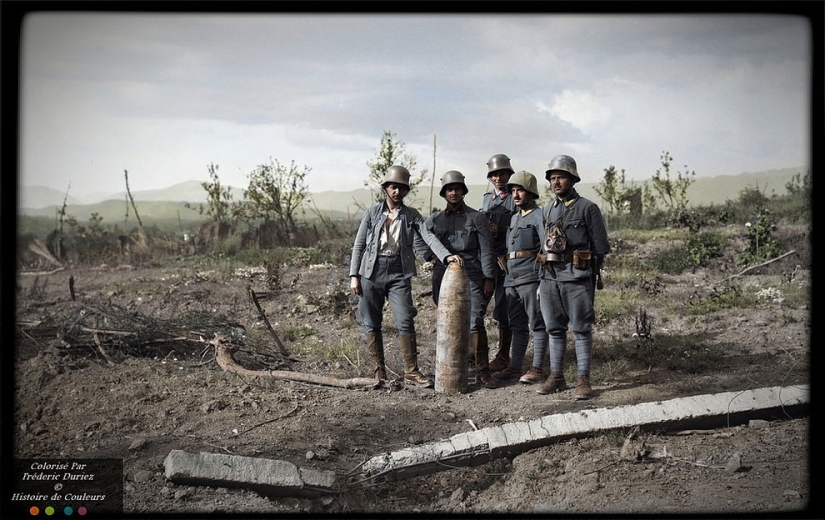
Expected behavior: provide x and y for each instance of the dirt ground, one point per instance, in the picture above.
(137, 400)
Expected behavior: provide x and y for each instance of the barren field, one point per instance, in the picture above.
(126, 369)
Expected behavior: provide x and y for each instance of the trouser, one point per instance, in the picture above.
(525, 318)
(569, 304)
(388, 283)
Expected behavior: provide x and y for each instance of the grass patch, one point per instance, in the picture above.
(611, 305)
(643, 236)
(720, 299)
(303, 341)
(672, 261)
(687, 353)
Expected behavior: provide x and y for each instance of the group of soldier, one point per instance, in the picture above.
(539, 265)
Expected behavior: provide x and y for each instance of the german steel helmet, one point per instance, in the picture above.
(453, 177)
(563, 163)
(499, 162)
(398, 175)
(526, 180)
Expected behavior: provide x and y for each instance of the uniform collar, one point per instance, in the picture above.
(458, 209)
(527, 211)
(568, 200)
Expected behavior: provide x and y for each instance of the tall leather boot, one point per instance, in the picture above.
(375, 342)
(502, 359)
(482, 355)
(409, 351)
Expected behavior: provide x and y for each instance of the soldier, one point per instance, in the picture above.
(381, 267)
(465, 232)
(498, 206)
(575, 244)
(524, 238)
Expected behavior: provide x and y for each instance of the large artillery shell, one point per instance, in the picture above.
(453, 331)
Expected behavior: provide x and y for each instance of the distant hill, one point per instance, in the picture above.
(35, 197)
(169, 203)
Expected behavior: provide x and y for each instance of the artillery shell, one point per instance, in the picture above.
(453, 331)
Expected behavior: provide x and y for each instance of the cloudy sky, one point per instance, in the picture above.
(164, 95)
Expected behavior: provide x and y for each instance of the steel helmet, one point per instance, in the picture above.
(499, 162)
(398, 175)
(563, 163)
(526, 180)
(452, 177)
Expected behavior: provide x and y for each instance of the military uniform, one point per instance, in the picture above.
(524, 238)
(465, 232)
(381, 268)
(498, 207)
(568, 281)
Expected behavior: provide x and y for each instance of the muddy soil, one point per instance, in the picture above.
(137, 400)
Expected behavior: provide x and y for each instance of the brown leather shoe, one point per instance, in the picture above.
(507, 374)
(485, 379)
(534, 375)
(499, 363)
(554, 383)
(583, 390)
(418, 379)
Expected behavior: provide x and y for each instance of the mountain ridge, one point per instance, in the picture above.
(43, 201)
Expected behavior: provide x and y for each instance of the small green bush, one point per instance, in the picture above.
(762, 244)
(703, 247)
(672, 261)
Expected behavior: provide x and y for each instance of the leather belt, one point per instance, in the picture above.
(559, 257)
(521, 254)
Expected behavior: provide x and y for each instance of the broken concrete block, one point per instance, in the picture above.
(267, 476)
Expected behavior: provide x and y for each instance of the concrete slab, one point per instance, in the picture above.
(269, 477)
(481, 446)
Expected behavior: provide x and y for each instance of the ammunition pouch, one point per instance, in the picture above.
(581, 258)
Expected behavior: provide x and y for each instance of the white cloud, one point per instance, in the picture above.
(164, 96)
(581, 109)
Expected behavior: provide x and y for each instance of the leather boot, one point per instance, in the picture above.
(583, 389)
(554, 383)
(375, 342)
(502, 359)
(482, 355)
(409, 351)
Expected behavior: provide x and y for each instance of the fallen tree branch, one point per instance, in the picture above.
(40, 273)
(261, 312)
(780, 257)
(102, 351)
(223, 355)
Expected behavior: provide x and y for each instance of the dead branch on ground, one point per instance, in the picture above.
(262, 314)
(772, 260)
(224, 356)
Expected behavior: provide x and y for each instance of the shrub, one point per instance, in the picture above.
(702, 247)
(673, 260)
(762, 245)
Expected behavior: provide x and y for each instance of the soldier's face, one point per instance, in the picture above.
(561, 183)
(396, 192)
(499, 179)
(453, 193)
(521, 197)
